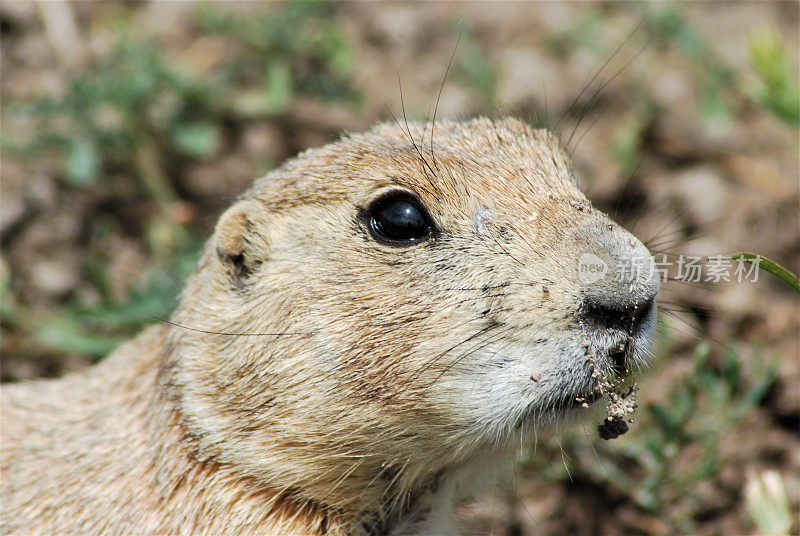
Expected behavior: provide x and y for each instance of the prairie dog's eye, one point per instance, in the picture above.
(399, 219)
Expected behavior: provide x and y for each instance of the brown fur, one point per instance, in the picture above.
(312, 380)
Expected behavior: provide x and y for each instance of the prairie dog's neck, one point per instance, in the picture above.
(200, 494)
(378, 504)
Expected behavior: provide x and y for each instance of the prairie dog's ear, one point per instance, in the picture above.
(241, 246)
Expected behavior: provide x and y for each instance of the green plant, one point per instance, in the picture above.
(771, 267)
(778, 90)
(768, 504)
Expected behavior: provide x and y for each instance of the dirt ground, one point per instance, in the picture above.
(128, 127)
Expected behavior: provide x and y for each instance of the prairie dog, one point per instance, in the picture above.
(372, 326)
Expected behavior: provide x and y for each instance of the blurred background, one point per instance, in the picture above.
(128, 127)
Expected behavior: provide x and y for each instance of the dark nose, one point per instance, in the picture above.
(631, 317)
(626, 315)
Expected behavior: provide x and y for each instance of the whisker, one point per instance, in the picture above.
(439, 96)
(599, 71)
(591, 101)
(628, 181)
(230, 334)
(599, 116)
(435, 359)
(471, 351)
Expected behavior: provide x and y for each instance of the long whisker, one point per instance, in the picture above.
(599, 72)
(439, 96)
(230, 334)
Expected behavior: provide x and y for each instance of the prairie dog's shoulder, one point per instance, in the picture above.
(65, 413)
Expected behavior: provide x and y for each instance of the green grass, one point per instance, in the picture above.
(771, 267)
(777, 89)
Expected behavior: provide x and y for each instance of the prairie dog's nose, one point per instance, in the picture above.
(618, 278)
(625, 315)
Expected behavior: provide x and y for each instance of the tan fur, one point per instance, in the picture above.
(314, 381)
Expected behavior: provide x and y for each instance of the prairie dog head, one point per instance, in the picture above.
(382, 308)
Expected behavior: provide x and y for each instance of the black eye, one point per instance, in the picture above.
(399, 219)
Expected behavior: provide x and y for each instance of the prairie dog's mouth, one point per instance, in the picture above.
(565, 405)
(577, 401)
(616, 351)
